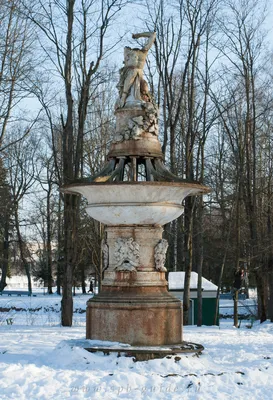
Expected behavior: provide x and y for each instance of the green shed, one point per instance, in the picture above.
(209, 293)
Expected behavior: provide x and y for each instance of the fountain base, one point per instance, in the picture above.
(134, 305)
(135, 315)
(139, 353)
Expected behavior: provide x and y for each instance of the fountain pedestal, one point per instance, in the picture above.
(134, 306)
(134, 314)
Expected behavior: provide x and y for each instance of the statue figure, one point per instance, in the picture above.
(132, 87)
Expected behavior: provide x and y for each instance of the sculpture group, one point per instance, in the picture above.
(133, 89)
(136, 110)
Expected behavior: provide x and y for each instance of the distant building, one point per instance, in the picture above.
(20, 282)
(209, 293)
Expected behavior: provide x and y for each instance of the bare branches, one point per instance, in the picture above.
(14, 61)
(24, 134)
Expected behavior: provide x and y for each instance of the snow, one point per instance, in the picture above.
(37, 360)
(176, 282)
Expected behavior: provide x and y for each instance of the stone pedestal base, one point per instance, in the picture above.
(134, 306)
(147, 316)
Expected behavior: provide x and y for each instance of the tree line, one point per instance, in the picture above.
(210, 75)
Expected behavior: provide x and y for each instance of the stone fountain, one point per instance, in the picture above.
(134, 196)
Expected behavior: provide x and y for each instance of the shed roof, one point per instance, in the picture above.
(176, 282)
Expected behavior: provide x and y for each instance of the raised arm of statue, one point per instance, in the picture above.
(151, 39)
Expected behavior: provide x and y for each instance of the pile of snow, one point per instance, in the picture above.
(176, 282)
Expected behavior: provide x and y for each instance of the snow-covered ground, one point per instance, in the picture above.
(40, 309)
(37, 361)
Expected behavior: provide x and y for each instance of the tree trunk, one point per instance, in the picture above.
(200, 257)
(235, 307)
(216, 315)
(70, 209)
(70, 204)
(189, 204)
(60, 246)
(48, 242)
(180, 242)
(261, 295)
(22, 249)
(270, 285)
(5, 263)
(28, 274)
(238, 246)
(83, 279)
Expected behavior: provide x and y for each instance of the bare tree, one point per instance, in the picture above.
(16, 47)
(23, 169)
(47, 210)
(240, 117)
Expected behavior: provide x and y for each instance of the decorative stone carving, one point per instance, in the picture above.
(105, 253)
(126, 254)
(135, 126)
(160, 255)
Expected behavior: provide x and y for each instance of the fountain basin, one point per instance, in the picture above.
(135, 203)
